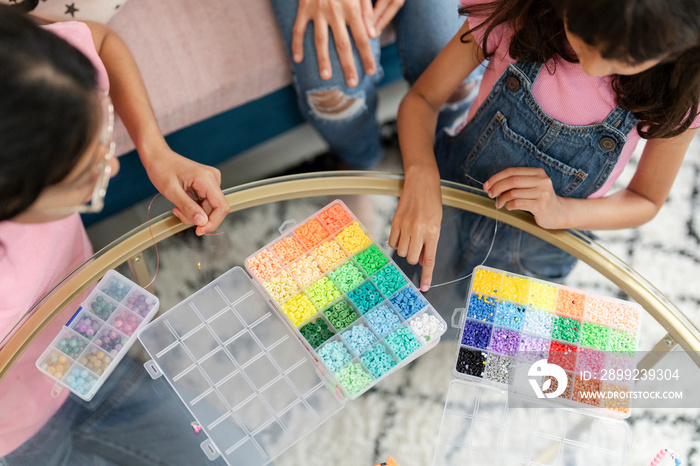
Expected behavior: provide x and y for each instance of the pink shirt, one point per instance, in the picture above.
(569, 95)
(33, 259)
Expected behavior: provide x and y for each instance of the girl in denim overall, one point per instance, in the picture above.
(637, 60)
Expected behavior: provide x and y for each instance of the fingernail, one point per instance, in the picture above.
(425, 288)
(372, 32)
(352, 82)
(297, 58)
(200, 219)
(325, 74)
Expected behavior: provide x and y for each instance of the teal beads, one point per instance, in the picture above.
(371, 259)
(383, 320)
(335, 355)
(402, 342)
(340, 315)
(388, 280)
(378, 360)
(116, 289)
(365, 297)
(322, 292)
(101, 307)
(346, 277)
(316, 332)
(353, 378)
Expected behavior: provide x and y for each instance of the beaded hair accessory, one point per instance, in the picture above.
(662, 453)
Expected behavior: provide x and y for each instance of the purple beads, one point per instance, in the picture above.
(87, 325)
(140, 303)
(505, 341)
(533, 348)
(110, 340)
(476, 334)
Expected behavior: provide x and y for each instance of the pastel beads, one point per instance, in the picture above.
(56, 364)
(340, 315)
(359, 338)
(505, 341)
(281, 287)
(402, 342)
(110, 340)
(408, 302)
(87, 325)
(389, 280)
(346, 277)
(299, 308)
(102, 307)
(81, 380)
(125, 322)
(594, 335)
(264, 265)
(96, 360)
(305, 270)
(311, 233)
(378, 361)
(352, 238)
(72, 346)
(427, 326)
(335, 355)
(322, 293)
(115, 289)
(329, 254)
(334, 218)
(371, 259)
(353, 378)
(288, 249)
(365, 297)
(538, 322)
(140, 303)
(316, 332)
(382, 320)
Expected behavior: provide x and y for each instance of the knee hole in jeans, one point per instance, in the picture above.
(334, 104)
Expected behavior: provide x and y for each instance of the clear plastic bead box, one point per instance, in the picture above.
(99, 334)
(479, 427)
(339, 230)
(511, 321)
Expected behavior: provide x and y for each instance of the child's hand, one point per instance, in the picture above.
(416, 226)
(180, 179)
(529, 189)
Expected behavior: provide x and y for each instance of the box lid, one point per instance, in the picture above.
(242, 373)
(480, 425)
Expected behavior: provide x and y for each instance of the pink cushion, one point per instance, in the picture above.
(199, 59)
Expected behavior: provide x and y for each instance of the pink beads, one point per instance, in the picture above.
(125, 322)
(264, 265)
(598, 310)
(625, 317)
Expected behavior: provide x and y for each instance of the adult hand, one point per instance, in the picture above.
(529, 189)
(193, 188)
(339, 15)
(384, 12)
(415, 229)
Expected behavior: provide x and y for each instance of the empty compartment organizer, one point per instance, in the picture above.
(99, 334)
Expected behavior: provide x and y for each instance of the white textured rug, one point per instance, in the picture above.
(401, 416)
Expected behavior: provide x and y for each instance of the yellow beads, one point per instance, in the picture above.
(487, 282)
(353, 238)
(281, 287)
(299, 308)
(515, 288)
(543, 296)
(329, 254)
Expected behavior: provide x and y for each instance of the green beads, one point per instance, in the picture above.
(567, 329)
(402, 342)
(622, 342)
(316, 332)
(322, 292)
(101, 307)
(371, 259)
(340, 315)
(595, 336)
(388, 280)
(346, 277)
(353, 378)
(378, 360)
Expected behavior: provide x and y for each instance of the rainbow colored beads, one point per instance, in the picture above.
(346, 298)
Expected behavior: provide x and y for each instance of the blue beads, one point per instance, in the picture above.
(510, 315)
(538, 322)
(408, 302)
(359, 338)
(481, 308)
(335, 355)
(365, 297)
(476, 334)
(378, 361)
(383, 320)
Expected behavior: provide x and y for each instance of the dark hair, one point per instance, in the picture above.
(48, 109)
(664, 98)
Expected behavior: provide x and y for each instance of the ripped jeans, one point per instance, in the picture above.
(346, 116)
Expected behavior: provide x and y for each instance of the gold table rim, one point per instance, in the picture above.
(292, 187)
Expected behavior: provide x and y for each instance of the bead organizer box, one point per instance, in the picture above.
(348, 302)
(99, 334)
(480, 427)
(512, 321)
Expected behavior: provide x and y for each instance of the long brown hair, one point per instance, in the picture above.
(664, 98)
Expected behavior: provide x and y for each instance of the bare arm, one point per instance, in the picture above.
(529, 189)
(175, 176)
(415, 229)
